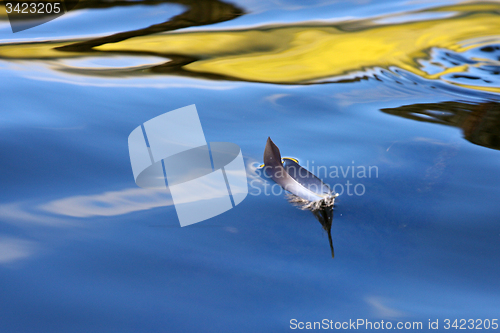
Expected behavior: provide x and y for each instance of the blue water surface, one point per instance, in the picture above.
(83, 249)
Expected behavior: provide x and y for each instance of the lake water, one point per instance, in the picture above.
(408, 90)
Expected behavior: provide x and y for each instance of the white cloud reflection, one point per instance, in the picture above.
(382, 310)
(14, 249)
(109, 203)
(22, 212)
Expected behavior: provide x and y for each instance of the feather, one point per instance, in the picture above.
(307, 191)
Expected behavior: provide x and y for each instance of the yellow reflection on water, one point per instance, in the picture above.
(304, 53)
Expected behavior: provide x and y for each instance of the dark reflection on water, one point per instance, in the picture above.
(480, 122)
(199, 12)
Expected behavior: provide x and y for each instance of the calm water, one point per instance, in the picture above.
(408, 88)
